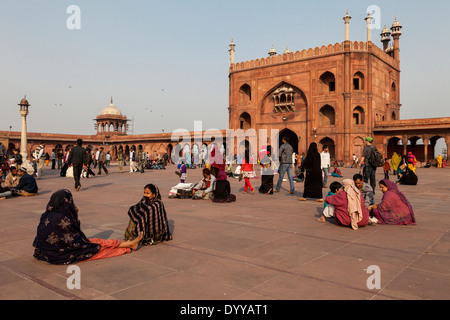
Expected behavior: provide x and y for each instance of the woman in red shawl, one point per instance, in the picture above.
(394, 207)
(349, 206)
(216, 161)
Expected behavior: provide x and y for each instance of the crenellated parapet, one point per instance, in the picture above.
(338, 48)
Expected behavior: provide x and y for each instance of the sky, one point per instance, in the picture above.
(165, 63)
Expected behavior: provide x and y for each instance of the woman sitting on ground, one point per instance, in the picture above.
(394, 207)
(222, 191)
(349, 209)
(59, 238)
(149, 217)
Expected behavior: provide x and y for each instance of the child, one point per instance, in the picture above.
(328, 211)
(247, 172)
(386, 168)
(182, 173)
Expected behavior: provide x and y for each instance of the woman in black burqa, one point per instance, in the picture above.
(313, 174)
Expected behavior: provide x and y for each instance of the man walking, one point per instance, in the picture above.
(133, 158)
(53, 157)
(286, 152)
(102, 161)
(325, 164)
(40, 160)
(77, 158)
(369, 170)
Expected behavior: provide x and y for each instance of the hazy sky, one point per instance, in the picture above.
(166, 62)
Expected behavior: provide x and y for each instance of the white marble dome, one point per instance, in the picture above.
(111, 110)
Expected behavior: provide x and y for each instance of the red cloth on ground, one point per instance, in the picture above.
(109, 249)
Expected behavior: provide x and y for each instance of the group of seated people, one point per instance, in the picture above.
(352, 204)
(211, 187)
(18, 183)
(157, 164)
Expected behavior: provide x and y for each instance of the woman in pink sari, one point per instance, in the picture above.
(394, 207)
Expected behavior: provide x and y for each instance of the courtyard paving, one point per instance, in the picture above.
(257, 248)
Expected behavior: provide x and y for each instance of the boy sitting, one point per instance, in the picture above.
(328, 211)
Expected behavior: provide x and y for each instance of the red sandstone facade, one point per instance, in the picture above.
(335, 95)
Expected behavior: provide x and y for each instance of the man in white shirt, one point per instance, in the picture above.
(133, 160)
(97, 154)
(325, 164)
(40, 159)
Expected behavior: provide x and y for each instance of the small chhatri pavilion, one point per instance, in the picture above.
(111, 121)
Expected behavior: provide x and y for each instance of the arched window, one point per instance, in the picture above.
(245, 121)
(358, 116)
(358, 81)
(393, 116)
(245, 94)
(327, 116)
(327, 83)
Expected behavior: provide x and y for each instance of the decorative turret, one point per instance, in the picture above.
(287, 51)
(385, 38)
(396, 33)
(272, 51)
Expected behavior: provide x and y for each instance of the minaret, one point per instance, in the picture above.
(347, 91)
(385, 37)
(23, 139)
(369, 20)
(231, 51)
(396, 33)
(272, 52)
(347, 19)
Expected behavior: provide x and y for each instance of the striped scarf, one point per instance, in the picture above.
(150, 217)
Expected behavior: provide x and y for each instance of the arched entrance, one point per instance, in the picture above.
(291, 137)
(358, 146)
(439, 146)
(394, 145)
(331, 147)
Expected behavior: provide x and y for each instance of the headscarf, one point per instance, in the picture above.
(150, 217)
(390, 199)
(222, 176)
(262, 153)
(59, 238)
(354, 202)
(395, 161)
(312, 159)
(216, 159)
(411, 158)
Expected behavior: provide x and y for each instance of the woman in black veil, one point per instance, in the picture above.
(313, 174)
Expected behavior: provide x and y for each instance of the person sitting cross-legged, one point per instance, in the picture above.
(204, 189)
(27, 184)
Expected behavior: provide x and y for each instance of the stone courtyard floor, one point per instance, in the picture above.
(257, 248)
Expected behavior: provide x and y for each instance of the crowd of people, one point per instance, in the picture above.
(350, 203)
